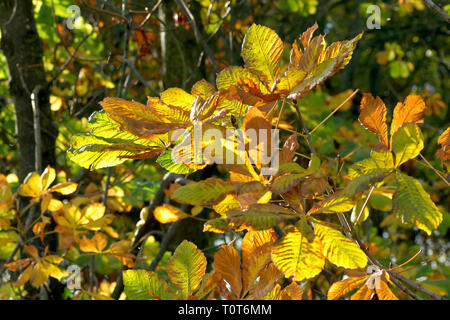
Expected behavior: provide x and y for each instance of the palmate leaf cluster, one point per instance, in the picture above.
(288, 217)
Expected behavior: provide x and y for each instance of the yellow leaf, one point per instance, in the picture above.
(64, 188)
(203, 89)
(39, 275)
(373, 117)
(411, 110)
(167, 213)
(31, 186)
(341, 288)
(340, 250)
(24, 276)
(178, 97)
(93, 212)
(229, 203)
(47, 177)
(261, 51)
(186, 268)
(297, 257)
(96, 244)
(227, 264)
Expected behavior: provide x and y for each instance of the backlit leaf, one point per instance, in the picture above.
(414, 205)
(206, 192)
(261, 51)
(407, 143)
(340, 250)
(167, 213)
(373, 117)
(186, 268)
(296, 257)
(338, 202)
(260, 216)
(341, 288)
(228, 265)
(410, 111)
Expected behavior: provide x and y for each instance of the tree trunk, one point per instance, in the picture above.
(23, 50)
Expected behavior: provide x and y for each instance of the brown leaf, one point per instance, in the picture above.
(373, 117)
(289, 148)
(227, 263)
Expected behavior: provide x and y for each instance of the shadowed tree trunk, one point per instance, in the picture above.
(22, 47)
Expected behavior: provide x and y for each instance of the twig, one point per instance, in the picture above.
(37, 129)
(364, 205)
(149, 15)
(305, 129)
(334, 111)
(141, 79)
(435, 170)
(197, 34)
(436, 9)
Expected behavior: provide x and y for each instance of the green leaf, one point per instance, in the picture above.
(414, 205)
(380, 160)
(339, 202)
(306, 230)
(260, 216)
(207, 192)
(296, 257)
(144, 285)
(407, 143)
(261, 50)
(186, 268)
(340, 250)
(107, 145)
(363, 182)
(165, 160)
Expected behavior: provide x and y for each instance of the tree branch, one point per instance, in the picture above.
(436, 9)
(197, 34)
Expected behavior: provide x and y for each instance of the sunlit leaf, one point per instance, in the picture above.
(373, 117)
(261, 51)
(206, 192)
(296, 257)
(340, 250)
(414, 205)
(167, 213)
(186, 268)
(407, 143)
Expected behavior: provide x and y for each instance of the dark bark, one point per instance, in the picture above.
(23, 50)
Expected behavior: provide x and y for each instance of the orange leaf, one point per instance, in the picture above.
(227, 263)
(410, 111)
(384, 293)
(444, 141)
(373, 117)
(364, 293)
(341, 288)
(292, 292)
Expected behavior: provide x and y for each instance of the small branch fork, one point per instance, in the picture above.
(396, 278)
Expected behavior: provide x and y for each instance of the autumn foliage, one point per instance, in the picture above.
(284, 229)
